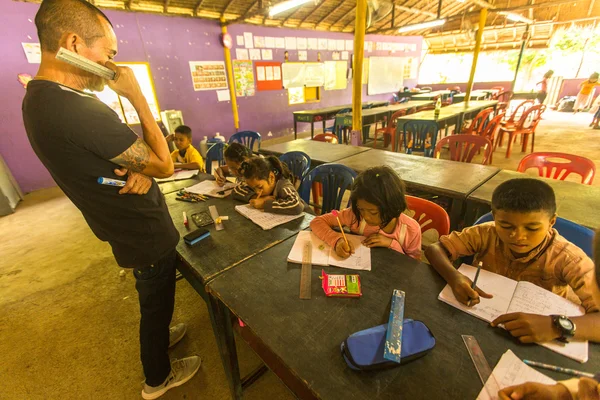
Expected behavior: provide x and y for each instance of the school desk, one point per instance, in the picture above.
(575, 201)
(323, 114)
(319, 152)
(299, 340)
(432, 95)
(452, 179)
(175, 186)
(373, 116)
(475, 95)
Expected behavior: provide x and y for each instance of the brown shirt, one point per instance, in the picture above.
(555, 265)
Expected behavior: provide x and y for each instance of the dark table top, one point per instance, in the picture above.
(391, 108)
(443, 177)
(575, 201)
(224, 249)
(430, 95)
(327, 110)
(319, 152)
(473, 105)
(306, 334)
(175, 186)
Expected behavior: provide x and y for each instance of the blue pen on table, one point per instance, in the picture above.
(111, 182)
(559, 369)
(474, 284)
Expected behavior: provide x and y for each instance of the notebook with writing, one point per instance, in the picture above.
(512, 296)
(264, 219)
(210, 188)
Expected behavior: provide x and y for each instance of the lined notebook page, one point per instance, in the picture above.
(360, 260)
(500, 287)
(320, 250)
(210, 188)
(264, 219)
(510, 371)
(323, 254)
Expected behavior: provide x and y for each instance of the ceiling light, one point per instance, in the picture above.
(287, 5)
(423, 25)
(516, 17)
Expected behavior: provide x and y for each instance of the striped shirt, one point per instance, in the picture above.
(287, 200)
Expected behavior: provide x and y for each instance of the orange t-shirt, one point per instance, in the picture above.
(587, 86)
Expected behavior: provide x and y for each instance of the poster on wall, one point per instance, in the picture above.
(248, 42)
(244, 78)
(268, 75)
(208, 75)
(32, 52)
(323, 44)
(313, 44)
(349, 45)
(302, 55)
(279, 43)
(290, 43)
(301, 43)
(242, 54)
(267, 54)
(269, 42)
(255, 54)
(259, 42)
(239, 40)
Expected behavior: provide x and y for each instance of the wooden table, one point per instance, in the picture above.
(447, 178)
(319, 152)
(403, 94)
(475, 95)
(373, 116)
(575, 201)
(447, 117)
(175, 186)
(300, 339)
(432, 95)
(323, 114)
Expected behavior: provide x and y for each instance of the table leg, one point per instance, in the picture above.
(324, 123)
(220, 317)
(295, 129)
(456, 212)
(312, 129)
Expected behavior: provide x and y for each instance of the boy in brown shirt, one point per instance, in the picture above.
(521, 244)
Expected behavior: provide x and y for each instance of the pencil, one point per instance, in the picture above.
(569, 371)
(336, 215)
(474, 284)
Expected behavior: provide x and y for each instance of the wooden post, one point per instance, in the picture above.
(523, 45)
(359, 50)
(482, 18)
(229, 68)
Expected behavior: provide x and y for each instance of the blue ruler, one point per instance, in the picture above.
(393, 340)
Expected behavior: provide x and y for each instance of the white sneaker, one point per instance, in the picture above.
(176, 333)
(181, 371)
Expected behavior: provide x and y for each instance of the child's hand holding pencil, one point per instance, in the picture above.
(343, 248)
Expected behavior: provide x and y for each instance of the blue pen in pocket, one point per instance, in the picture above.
(111, 182)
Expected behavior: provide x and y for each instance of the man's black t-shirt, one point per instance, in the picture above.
(75, 135)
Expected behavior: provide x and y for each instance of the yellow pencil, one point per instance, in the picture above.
(336, 215)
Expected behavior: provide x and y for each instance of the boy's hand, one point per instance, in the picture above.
(136, 183)
(378, 240)
(528, 328)
(461, 287)
(170, 137)
(589, 389)
(535, 391)
(342, 249)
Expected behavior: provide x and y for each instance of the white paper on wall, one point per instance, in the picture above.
(290, 43)
(313, 44)
(302, 55)
(248, 42)
(301, 43)
(279, 43)
(242, 54)
(269, 73)
(267, 54)
(260, 73)
(341, 45)
(269, 42)
(349, 45)
(255, 54)
(240, 40)
(331, 44)
(323, 44)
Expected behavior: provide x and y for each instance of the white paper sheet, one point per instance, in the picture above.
(277, 73)
(279, 43)
(267, 54)
(260, 73)
(269, 73)
(323, 44)
(302, 55)
(248, 40)
(32, 52)
(331, 44)
(242, 54)
(320, 249)
(313, 44)
(239, 40)
(255, 54)
(264, 219)
(290, 43)
(345, 55)
(223, 95)
(259, 42)
(341, 45)
(269, 42)
(349, 45)
(179, 175)
(301, 43)
(210, 188)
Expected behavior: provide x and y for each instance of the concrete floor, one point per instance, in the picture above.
(69, 322)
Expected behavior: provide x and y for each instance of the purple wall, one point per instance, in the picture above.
(168, 44)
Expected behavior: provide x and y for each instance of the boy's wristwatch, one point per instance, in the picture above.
(565, 326)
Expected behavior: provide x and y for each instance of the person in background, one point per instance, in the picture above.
(522, 245)
(377, 212)
(585, 90)
(235, 154)
(572, 389)
(271, 180)
(186, 156)
(596, 121)
(541, 96)
(79, 139)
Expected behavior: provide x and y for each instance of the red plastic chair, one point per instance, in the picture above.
(425, 108)
(517, 113)
(503, 99)
(389, 132)
(326, 137)
(464, 147)
(478, 123)
(559, 170)
(525, 127)
(429, 215)
(490, 132)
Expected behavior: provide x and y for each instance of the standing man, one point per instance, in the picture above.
(79, 139)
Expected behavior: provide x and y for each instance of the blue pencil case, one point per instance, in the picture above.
(363, 350)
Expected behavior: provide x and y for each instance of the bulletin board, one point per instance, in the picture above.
(301, 74)
(268, 75)
(386, 75)
(336, 75)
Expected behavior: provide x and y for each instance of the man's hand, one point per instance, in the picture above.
(136, 183)
(461, 287)
(125, 84)
(342, 249)
(535, 391)
(378, 240)
(528, 328)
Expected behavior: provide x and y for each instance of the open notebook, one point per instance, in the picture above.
(179, 175)
(512, 296)
(323, 254)
(210, 188)
(264, 219)
(510, 371)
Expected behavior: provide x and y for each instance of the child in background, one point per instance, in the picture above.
(541, 96)
(575, 388)
(585, 90)
(271, 181)
(186, 156)
(521, 244)
(378, 202)
(235, 154)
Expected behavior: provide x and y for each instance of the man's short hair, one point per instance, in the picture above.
(184, 130)
(524, 195)
(55, 17)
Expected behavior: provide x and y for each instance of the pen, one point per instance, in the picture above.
(111, 182)
(474, 284)
(185, 220)
(558, 369)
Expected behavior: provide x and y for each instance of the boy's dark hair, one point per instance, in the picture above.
(384, 188)
(184, 130)
(524, 195)
(259, 168)
(237, 152)
(549, 74)
(56, 17)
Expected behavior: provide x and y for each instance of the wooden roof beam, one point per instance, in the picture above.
(329, 14)
(343, 17)
(226, 7)
(197, 7)
(312, 12)
(128, 4)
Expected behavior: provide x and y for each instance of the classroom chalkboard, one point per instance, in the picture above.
(386, 75)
